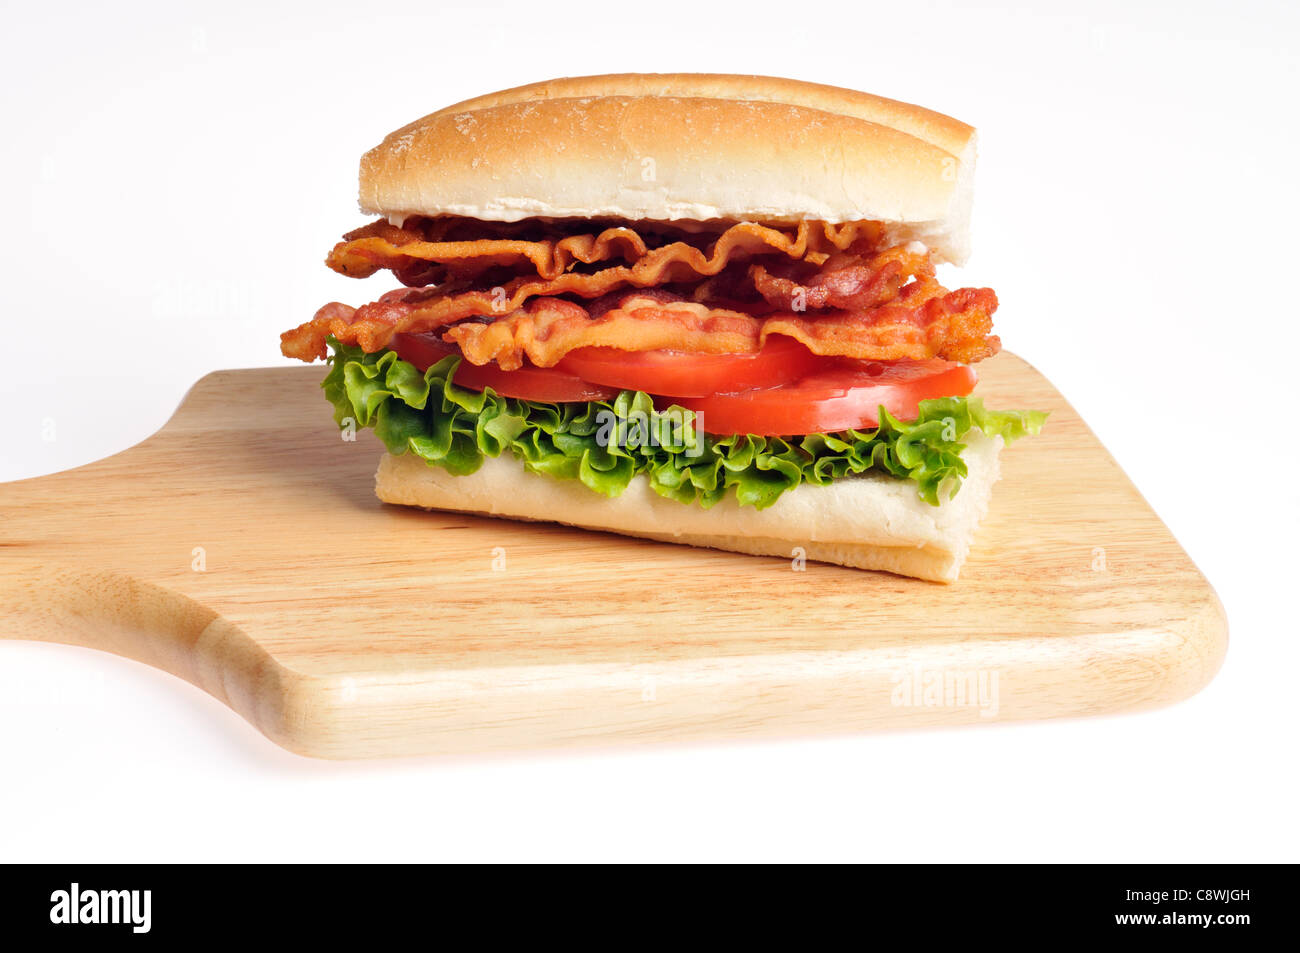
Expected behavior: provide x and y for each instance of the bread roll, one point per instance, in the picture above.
(683, 147)
(872, 521)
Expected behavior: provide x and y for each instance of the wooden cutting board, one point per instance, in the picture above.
(241, 547)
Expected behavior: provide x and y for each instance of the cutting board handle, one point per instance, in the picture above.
(150, 624)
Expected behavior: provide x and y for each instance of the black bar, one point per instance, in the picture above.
(1174, 904)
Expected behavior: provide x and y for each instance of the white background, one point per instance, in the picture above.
(173, 180)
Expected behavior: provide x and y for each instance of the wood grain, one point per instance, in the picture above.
(344, 628)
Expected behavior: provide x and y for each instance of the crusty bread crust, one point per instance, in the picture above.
(947, 133)
(868, 522)
(672, 147)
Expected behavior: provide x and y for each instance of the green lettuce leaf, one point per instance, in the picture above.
(604, 444)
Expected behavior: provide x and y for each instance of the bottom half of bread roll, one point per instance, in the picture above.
(871, 521)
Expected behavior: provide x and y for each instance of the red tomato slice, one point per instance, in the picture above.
(845, 397)
(686, 374)
(547, 384)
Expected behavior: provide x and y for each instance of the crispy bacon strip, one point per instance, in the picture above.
(650, 286)
(956, 326)
(925, 322)
(306, 342)
(419, 261)
(549, 328)
(845, 282)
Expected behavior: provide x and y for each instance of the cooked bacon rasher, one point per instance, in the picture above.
(536, 291)
(552, 248)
